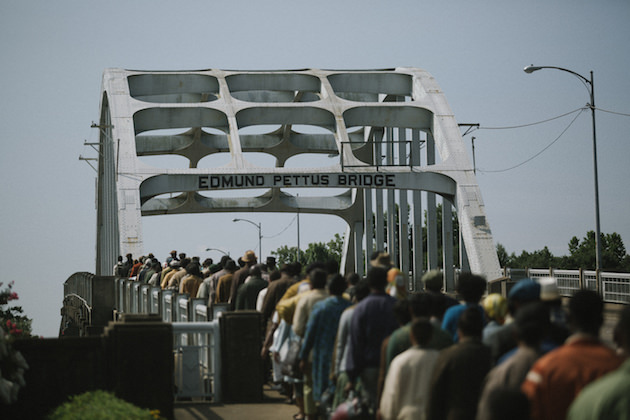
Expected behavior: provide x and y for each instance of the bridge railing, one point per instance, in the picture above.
(613, 287)
(196, 335)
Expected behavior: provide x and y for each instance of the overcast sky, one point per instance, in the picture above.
(54, 53)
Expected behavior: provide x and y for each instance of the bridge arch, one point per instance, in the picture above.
(395, 141)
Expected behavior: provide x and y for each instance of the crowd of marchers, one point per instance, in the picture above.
(342, 347)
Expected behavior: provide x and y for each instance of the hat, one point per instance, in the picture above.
(433, 280)
(525, 290)
(383, 260)
(249, 256)
(495, 306)
(548, 289)
(271, 260)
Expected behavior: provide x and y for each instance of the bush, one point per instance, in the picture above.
(101, 405)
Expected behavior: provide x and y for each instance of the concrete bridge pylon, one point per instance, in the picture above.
(395, 152)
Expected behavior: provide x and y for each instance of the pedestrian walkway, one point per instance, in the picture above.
(273, 407)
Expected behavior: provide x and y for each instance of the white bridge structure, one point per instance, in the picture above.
(391, 146)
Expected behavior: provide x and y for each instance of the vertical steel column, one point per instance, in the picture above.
(417, 243)
(380, 221)
(432, 234)
(447, 245)
(403, 210)
(391, 201)
(369, 225)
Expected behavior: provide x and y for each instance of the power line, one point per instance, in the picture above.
(283, 230)
(539, 153)
(534, 123)
(612, 112)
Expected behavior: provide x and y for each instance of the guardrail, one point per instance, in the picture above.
(613, 287)
(196, 334)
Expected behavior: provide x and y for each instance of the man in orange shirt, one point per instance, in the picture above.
(556, 378)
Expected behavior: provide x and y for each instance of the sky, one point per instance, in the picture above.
(54, 54)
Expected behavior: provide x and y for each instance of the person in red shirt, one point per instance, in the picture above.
(556, 378)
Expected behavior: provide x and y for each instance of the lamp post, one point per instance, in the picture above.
(588, 83)
(217, 249)
(259, 233)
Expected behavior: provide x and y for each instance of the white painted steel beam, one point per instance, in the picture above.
(353, 115)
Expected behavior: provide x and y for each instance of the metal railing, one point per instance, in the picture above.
(196, 335)
(613, 287)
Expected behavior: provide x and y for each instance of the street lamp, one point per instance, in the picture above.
(591, 90)
(259, 233)
(217, 249)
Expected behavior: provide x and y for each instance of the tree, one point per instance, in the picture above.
(504, 258)
(581, 255)
(316, 251)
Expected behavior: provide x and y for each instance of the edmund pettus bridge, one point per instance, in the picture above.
(394, 150)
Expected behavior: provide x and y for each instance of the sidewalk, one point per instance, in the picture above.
(273, 407)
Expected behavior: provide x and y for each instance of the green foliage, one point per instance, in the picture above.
(100, 405)
(317, 251)
(581, 255)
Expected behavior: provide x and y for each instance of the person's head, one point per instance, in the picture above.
(471, 287)
(420, 305)
(185, 262)
(361, 290)
(249, 258)
(129, 257)
(586, 312)
(433, 281)
(156, 265)
(274, 275)
(332, 267)
(316, 265)
(401, 311)
(271, 263)
(182, 255)
(193, 268)
(224, 260)
(395, 277)
(622, 331)
(336, 285)
(230, 266)
(495, 306)
(318, 278)
(256, 270)
(120, 258)
(532, 323)
(173, 253)
(293, 269)
(421, 332)
(522, 293)
(352, 279)
(470, 323)
(377, 278)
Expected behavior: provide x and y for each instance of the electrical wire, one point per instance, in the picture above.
(534, 123)
(612, 112)
(537, 154)
(283, 230)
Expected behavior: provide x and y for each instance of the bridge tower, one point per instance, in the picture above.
(396, 146)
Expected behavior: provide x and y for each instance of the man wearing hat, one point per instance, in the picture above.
(239, 277)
